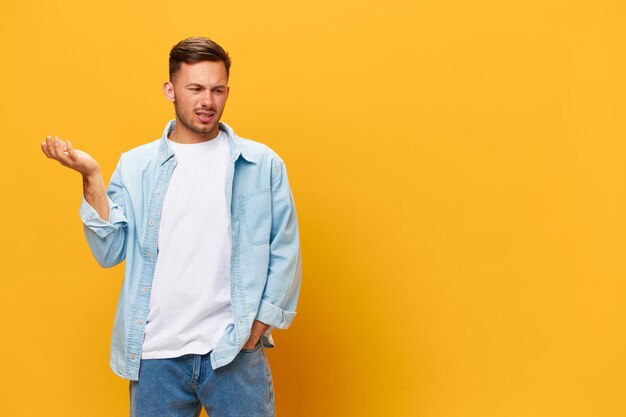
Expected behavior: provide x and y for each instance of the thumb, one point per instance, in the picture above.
(70, 149)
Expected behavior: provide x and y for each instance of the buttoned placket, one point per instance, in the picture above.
(238, 302)
(150, 244)
(234, 276)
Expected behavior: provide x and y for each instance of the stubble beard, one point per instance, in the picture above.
(190, 126)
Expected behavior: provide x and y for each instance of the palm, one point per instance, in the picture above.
(82, 161)
(67, 156)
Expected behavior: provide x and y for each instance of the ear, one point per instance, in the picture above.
(168, 90)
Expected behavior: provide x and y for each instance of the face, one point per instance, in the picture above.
(199, 92)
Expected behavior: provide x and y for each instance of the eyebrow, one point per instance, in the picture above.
(201, 86)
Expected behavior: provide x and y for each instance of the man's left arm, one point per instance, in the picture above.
(280, 296)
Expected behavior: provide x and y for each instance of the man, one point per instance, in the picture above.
(206, 223)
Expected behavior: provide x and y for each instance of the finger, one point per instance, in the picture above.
(62, 152)
(70, 149)
(50, 147)
(63, 145)
(61, 156)
(44, 147)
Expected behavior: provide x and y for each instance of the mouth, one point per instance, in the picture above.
(205, 116)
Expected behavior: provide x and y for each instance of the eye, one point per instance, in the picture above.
(195, 89)
(218, 90)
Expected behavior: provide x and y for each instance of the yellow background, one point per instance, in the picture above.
(458, 168)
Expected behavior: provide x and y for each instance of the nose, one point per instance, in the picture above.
(207, 98)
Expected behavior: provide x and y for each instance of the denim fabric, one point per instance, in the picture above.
(265, 263)
(180, 387)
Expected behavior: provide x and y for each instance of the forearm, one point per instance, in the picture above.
(258, 328)
(95, 194)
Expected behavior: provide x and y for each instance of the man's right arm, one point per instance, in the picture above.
(103, 217)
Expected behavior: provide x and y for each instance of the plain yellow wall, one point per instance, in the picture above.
(458, 167)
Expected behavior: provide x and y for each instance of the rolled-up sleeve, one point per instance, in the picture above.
(107, 239)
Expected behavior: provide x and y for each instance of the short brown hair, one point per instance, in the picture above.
(197, 49)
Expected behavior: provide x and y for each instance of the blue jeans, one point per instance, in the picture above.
(180, 387)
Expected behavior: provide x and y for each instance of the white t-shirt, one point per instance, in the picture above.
(190, 300)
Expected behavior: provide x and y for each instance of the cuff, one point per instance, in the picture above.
(97, 224)
(274, 316)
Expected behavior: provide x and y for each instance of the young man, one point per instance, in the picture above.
(207, 225)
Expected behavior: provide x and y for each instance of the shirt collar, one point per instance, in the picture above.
(234, 143)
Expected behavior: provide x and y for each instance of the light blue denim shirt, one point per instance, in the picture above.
(265, 263)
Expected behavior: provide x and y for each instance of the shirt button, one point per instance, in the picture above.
(157, 191)
(138, 321)
(133, 357)
(151, 223)
(148, 254)
(145, 289)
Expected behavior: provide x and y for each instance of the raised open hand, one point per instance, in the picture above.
(80, 161)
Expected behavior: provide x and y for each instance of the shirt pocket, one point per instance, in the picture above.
(257, 216)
